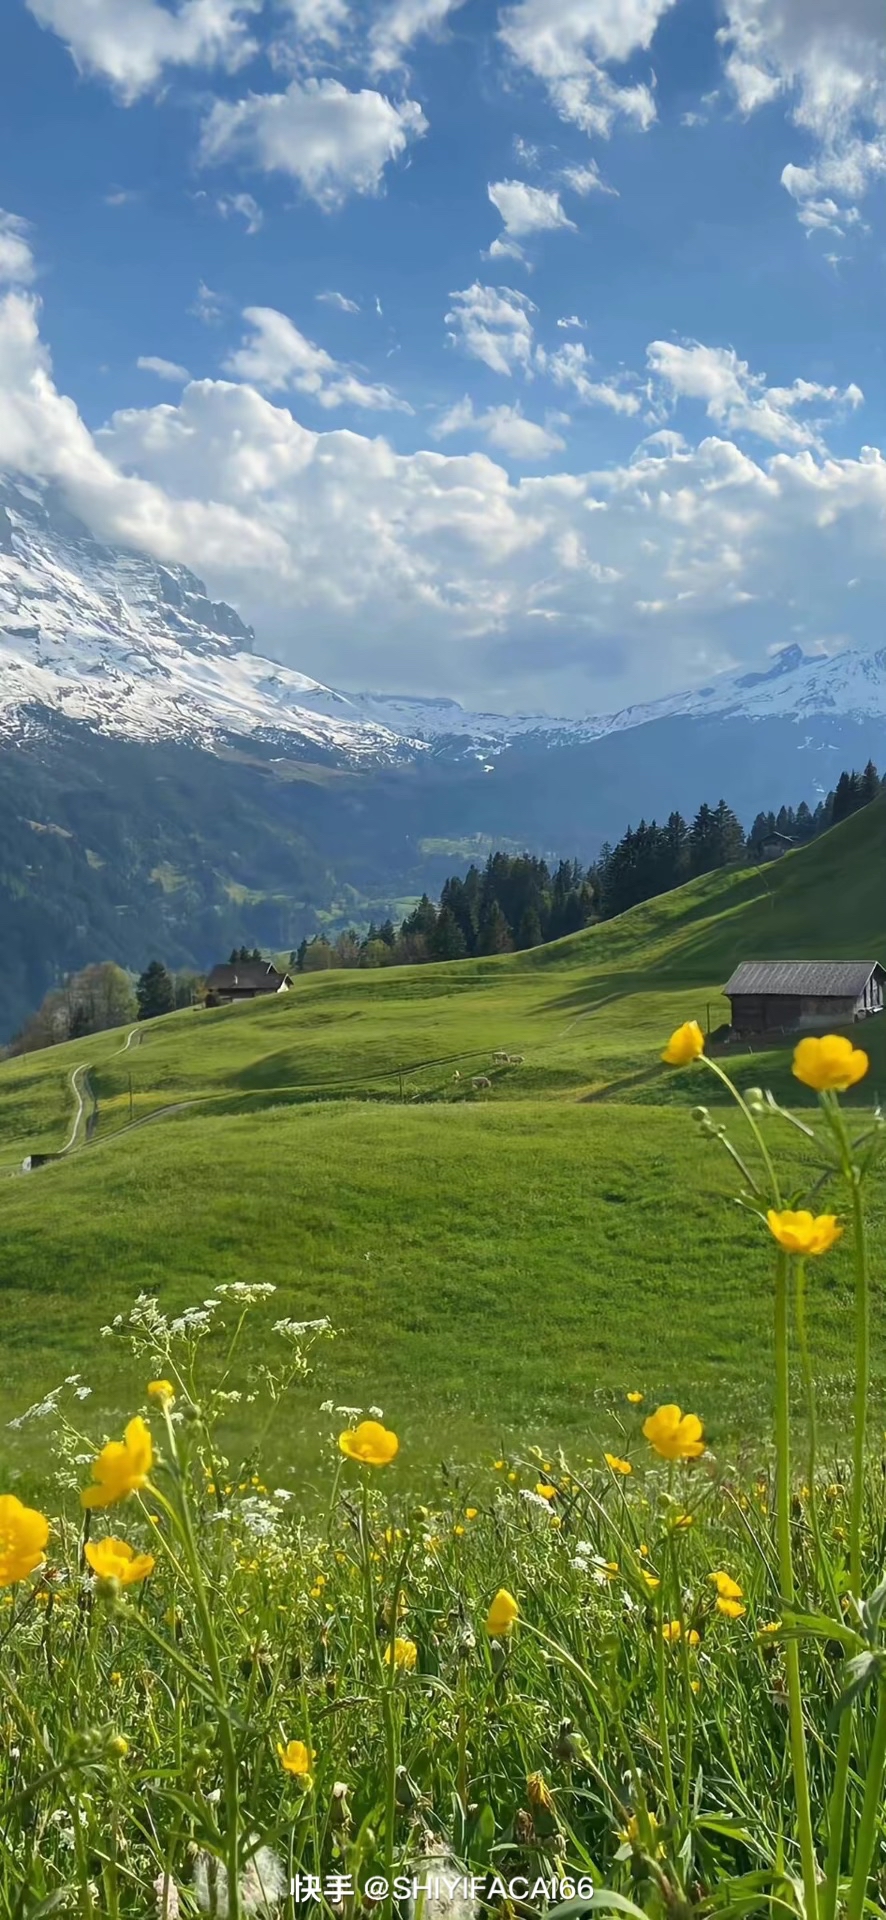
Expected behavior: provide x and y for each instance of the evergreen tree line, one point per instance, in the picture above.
(514, 902)
(517, 901)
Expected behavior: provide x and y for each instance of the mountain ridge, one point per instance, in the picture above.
(139, 649)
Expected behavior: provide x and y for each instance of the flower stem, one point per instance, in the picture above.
(870, 1814)
(786, 1577)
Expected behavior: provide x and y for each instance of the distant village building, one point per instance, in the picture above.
(774, 845)
(244, 980)
(768, 997)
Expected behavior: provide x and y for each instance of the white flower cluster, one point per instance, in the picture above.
(296, 1329)
(45, 1408)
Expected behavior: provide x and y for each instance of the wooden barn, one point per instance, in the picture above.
(782, 995)
(244, 981)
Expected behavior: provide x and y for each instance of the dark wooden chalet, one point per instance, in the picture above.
(772, 996)
(244, 980)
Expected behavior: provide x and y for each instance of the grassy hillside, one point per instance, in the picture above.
(491, 1257)
(587, 1013)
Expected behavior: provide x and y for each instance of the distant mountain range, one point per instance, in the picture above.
(165, 786)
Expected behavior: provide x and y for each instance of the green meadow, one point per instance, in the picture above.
(495, 1259)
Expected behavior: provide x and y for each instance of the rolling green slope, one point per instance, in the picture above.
(587, 1013)
(494, 1258)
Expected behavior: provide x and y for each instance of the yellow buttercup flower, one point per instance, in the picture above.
(471, 1513)
(635, 1399)
(770, 1626)
(616, 1465)
(674, 1435)
(733, 1609)
(122, 1467)
(673, 1630)
(544, 1491)
(727, 1588)
(404, 1652)
(161, 1390)
(116, 1560)
(652, 1580)
(830, 1065)
(23, 1536)
(295, 1758)
(502, 1614)
(370, 1443)
(685, 1045)
(804, 1232)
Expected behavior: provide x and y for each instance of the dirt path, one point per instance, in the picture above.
(80, 1106)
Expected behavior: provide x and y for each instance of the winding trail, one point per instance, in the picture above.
(80, 1106)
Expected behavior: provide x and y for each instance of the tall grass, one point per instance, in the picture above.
(642, 1666)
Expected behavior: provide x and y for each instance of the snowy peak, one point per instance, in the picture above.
(130, 647)
(114, 639)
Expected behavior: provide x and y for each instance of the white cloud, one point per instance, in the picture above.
(17, 267)
(333, 142)
(493, 324)
(208, 306)
(339, 300)
(828, 62)
(164, 369)
(244, 205)
(585, 180)
(130, 43)
(399, 25)
(572, 320)
(320, 22)
(570, 367)
(280, 359)
(566, 44)
(571, 590)
(504, 427)
(739, 400)
(524, 210)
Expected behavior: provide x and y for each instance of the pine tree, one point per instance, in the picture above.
(154, 992)
(494, 933)
(447, 942)
(870, 784)
(529, 932)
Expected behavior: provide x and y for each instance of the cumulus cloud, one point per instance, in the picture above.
(828, 63)
(164, 369)
(17, 267)
(571, 367)
(651, 573)
(280, 359)
(320, 22)
(245, 206)
(740, 400)
(397, 27)
(339, 300)
(586, 179)
(493, 324)
(504, 427)
(332, 141)
(524, 210)
(130, 43)
(569, 44)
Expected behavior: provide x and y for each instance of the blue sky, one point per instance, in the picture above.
(285, 293)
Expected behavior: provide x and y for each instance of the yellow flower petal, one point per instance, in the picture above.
(502, 1614)
(673, 1434)
(370, 1443)
(685, 1045)
(830, 1064)
(804, 1233)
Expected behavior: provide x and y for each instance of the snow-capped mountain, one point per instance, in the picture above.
(139, 651)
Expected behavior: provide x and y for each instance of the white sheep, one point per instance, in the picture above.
(515, 1059)
(482, 1080)
(500, 1059)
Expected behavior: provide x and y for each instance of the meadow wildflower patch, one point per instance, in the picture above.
(647, 1667)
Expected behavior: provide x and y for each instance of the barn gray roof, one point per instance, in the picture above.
(821, 979)
(250, 975)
